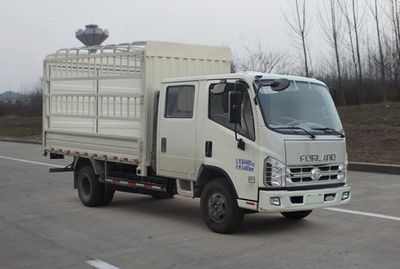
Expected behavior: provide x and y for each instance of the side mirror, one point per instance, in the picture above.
(235, 103)
(279, 84)
(276, 85)
(332, 91)
(218, 88)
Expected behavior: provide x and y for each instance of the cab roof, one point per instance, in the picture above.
(248, 76)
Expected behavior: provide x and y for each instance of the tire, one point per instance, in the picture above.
(297, 215)
(108, 195)
(219, 207)
(91, 192)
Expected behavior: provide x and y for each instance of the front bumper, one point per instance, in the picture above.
(302, 200)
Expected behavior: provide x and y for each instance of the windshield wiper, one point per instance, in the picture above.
(294, 128)
(329, 131)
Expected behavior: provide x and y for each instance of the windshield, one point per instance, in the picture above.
(305, 105)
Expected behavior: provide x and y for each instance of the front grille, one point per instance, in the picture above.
(303, 174)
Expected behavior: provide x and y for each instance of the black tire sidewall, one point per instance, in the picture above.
(108, 195)
(97, 190)
(234, 215)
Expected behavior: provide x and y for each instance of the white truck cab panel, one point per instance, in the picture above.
(177, 130)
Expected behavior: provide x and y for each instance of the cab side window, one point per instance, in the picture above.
(179, 101)
(219, 110)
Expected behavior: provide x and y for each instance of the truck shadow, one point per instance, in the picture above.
(179, 210)
(187, 212)
(273, 223)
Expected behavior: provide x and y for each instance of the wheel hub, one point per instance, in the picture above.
(217, 207)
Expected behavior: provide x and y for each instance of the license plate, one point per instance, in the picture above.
(314, 198)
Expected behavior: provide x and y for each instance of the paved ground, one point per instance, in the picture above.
(43, 225)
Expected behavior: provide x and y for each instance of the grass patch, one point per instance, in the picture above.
(20, 127)
(373, 132)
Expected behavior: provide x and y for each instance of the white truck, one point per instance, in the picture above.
(162, 119)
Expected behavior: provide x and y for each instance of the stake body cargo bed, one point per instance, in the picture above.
(99, 101)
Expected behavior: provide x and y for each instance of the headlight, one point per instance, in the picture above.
(342, 175)
(275, 174)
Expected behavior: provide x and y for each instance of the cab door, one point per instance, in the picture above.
(177, 130)
(240, 164)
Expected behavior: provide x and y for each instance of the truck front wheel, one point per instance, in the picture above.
(297, 215)
(219, 207)
(91, 192)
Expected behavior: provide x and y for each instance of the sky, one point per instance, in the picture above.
(31, 29)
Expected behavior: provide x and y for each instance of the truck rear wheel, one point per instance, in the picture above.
(91, 192)
(297, 215)
(219, 207)
(108, 195)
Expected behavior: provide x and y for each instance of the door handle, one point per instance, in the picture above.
(208, 151)
(163, 144)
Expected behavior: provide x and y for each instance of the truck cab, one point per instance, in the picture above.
(273, 149)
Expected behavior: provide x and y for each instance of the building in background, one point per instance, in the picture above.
(11, 97)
